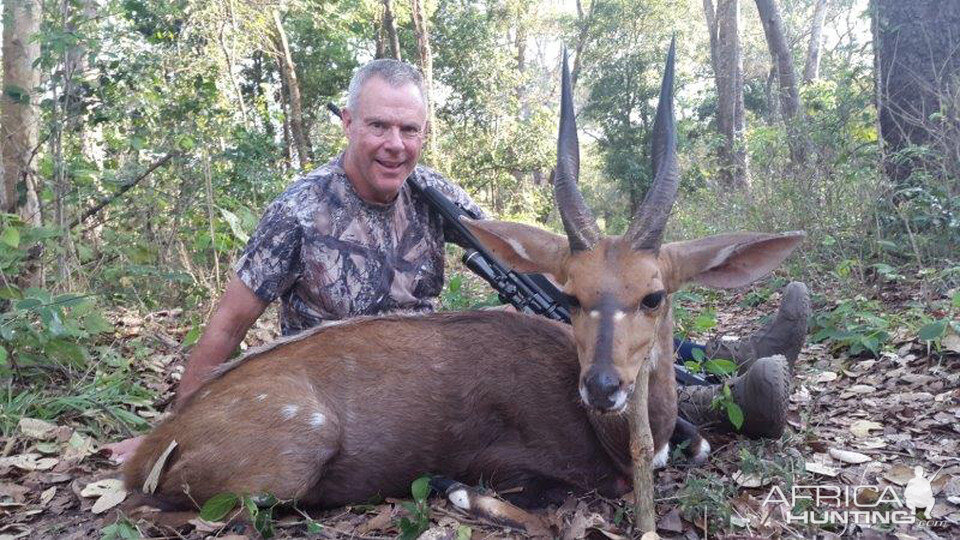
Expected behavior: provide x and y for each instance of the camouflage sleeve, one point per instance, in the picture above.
(270, 263)
(451, 190)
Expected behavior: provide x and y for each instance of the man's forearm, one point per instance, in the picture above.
(214, 348)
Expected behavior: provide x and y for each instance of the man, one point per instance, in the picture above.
(351, 238)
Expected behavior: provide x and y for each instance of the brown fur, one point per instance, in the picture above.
(488, 396)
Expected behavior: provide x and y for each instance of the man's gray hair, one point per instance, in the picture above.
(395, 72)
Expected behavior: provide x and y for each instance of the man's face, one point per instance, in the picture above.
(385, 134)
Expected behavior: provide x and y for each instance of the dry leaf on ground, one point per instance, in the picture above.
(36, 428)
(862, 428)
(847, 456)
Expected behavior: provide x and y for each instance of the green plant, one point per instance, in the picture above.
(725, 369)
(259, 509)
(419, 520)
(705, 497)
(465, 291)
(934, 332)
(855, 325)
(122, 529)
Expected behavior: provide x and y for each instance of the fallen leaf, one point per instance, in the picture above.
(899, 474)
(204, 526)
(36, 428)
(379, 522)
(15, 492)
(109, 499)
(153, 479)
(101, 487)
(47, 495)
(872, 444)
(825, 377)
(48, 447)
(650, 535)
(951, 342)
(671, 522)
(862, 428)
(847, 456)
(79, 447)
(819, 468)
(749, 480)
(29, 462)
(862, 389)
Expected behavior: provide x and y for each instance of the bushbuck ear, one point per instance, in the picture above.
(726, 260)
(522, 247)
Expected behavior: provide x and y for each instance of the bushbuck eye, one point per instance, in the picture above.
(652, 300)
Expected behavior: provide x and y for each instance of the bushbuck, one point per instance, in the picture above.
(360, 408)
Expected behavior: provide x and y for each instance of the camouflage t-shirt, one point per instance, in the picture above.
(327, 254)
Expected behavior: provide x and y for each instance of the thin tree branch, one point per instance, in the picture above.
(123, 189)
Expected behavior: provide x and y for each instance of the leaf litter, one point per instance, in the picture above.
(857, 421)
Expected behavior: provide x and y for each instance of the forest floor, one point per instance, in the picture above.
(854, 421)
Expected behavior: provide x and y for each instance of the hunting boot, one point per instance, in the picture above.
(762, 394)
(765, 361)
(783, 335)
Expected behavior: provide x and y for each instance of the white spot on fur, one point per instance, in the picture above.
(261, 397)
(703, 450)
(317, 419)
(289, 411)
(594, 314)
(584, 396)
(460, 498)
(518, 248)
(660, 458)
(618, 316)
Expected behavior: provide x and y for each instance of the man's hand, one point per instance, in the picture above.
(123, 450)
(238, 309)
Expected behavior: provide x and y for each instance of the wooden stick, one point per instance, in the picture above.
(641, 451)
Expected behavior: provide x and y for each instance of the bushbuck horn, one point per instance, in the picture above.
(578, 222)
(646, 229)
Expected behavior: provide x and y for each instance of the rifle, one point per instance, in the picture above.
(527, 293)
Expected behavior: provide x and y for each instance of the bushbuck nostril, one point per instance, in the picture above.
(601, 385)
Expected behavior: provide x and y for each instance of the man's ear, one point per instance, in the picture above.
(346, 119)
(522, 247)
(727, 260)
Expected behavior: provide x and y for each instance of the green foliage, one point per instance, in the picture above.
(706, 497)
(122, 529)
(258, 508)
(419, 520)
(465, 291)
(856, 326)
(217, 507)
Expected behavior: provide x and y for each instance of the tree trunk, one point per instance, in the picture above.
(584, 21)
(390, 26)
(426, 65)
(18, 109)
(787, 75)
(917, 45)
(728, 73)
(289, 73)
(811, 69)
(380, 37)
